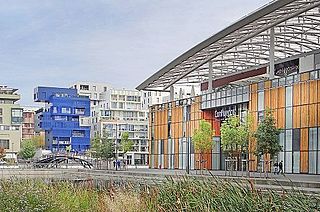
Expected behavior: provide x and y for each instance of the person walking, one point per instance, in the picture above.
(280, 167)
(275, 167)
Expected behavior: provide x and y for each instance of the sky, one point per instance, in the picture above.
(120, 42)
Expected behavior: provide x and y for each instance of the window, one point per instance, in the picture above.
(80, 111)
(84, 87)
(260, 101)
(1, 112)
(66, 110)
(4, 143)
(78, 133)
(313, 150)
(16, 116)
(289, 96)
(94, 88)
(289, 116)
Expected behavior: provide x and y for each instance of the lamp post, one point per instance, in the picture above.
(116, 146)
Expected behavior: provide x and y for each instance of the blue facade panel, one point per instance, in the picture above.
(60, 119)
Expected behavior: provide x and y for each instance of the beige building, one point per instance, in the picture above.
(10, 121)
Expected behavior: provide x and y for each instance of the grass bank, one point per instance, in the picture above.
(185, 194)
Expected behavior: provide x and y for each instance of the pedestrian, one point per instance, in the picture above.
(280, 167)
(118, 164)
(275, 166)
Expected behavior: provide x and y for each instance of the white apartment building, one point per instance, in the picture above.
(94, 91)
(121, 111)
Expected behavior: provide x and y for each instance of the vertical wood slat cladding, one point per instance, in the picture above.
(304, 116)
(304, 93)
(318, 115)
(313, 98)
(304, 151)
(296, 94)
(281, 97)
(156, 154)
(165, 150)
(176, 153)
(281, 118)
(318, 89)
(304, 76)
(312, 115)
(296, 117)
(274, 97)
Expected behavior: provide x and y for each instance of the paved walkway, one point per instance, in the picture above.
(288, 177)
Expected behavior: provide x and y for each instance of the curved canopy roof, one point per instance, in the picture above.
(245, 44)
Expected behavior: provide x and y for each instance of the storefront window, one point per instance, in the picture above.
(312, 150)
(289, 96)
(260, 101)
(289, 117)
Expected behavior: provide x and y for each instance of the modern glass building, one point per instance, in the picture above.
(268, 59)
(60, 118)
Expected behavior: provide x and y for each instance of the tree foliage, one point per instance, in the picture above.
(39, 141)
(235, 134)
(202, 137)
(2, 153)
(126, 144)
(28, 149)
(102, 148)
(267, 136)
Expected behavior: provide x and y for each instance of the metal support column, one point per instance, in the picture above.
(210, 77)
(271, 54)
(171, 93)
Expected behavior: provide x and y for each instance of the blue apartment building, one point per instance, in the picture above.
(60, 118)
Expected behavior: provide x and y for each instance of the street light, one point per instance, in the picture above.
(116, 146)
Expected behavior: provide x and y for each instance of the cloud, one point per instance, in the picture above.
(121, 42)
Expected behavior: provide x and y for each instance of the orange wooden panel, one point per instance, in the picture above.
(267, 84)
(296, 117)
(275, 116)
(176, 153)
(318, 115)
(254, 87)
(318, 89)
(253, 104)
(274, 97)
(156, 154)
(304, 93)
(313, 115)
(281, 97)
(296, 94)
(165, 151)
(304, 151)
(313, 92)
(304, 76)
(304, 116)
(281, 118)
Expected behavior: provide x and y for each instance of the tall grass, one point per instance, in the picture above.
(189, 194)
(184, 194)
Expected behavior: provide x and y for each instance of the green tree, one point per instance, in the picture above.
(126, 143)
(202, 138)
(267, 136)
(28, 149)
(235, 134)
(102, 148)
(39, 141)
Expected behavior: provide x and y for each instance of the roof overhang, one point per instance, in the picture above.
(245, 44)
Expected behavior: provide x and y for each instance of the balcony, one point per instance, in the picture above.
(12, 97)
